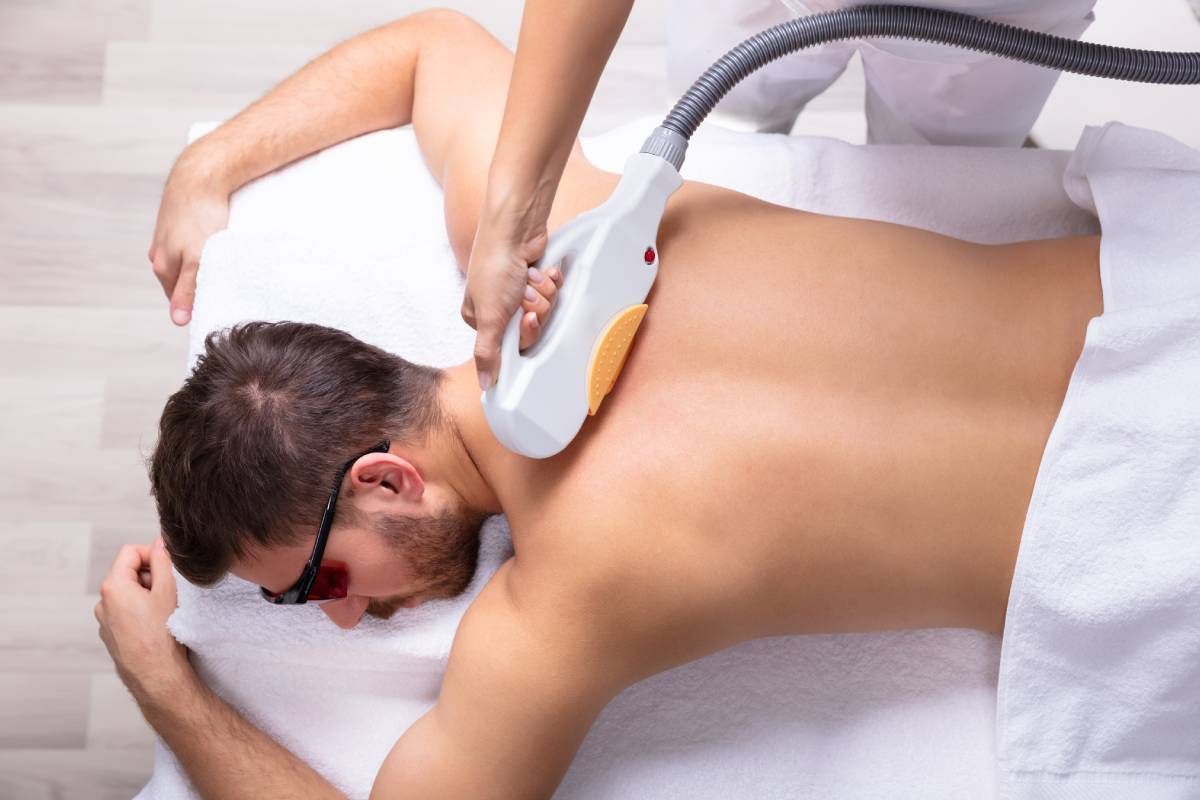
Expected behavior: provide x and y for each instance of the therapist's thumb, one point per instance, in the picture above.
(495, 286)
(489, 332)
(497, 273)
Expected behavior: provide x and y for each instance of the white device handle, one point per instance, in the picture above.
(566, 242)
(609, 262)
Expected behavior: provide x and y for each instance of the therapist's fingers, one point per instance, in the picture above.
(540, 294)
(544, 284)
(536, 308)
(536, 302)
(531, 329)
(184, 296)
(507, 240)
(496, 290)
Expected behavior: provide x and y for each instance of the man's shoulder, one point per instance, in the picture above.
(553, 580)
(527, 622)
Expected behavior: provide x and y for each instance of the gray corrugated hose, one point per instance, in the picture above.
(907, 22)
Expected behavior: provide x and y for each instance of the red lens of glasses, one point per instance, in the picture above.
(332, 582)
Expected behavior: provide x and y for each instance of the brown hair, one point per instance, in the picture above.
(248, 447)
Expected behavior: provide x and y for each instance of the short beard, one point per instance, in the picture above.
(442, 550)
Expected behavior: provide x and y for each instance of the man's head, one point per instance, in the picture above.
(248, 449)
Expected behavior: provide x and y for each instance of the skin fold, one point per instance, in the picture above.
(824, 425)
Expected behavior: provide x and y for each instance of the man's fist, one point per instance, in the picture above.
(136, 597)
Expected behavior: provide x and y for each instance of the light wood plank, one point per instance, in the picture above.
(105, 342)
(29, 774)
(322, 23)
(44, 558)
(53, 50)
(107, 487)
(78, 239)
(42, 140)
(29, 73)
(71, 22)
(50, 635)
(43, 710)
(226, 77)
(74, 405)
(114, 721)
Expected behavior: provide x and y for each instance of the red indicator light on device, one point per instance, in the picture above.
(649, 255)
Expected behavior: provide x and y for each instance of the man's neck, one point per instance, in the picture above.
(474, 458)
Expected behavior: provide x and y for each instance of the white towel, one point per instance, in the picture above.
(353, 237)
(1100, 677)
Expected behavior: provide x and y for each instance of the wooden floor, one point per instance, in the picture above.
(95, 99)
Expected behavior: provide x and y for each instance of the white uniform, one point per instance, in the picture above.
(917, 93)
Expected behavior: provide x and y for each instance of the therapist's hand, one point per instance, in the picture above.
(499, 280)
(136, 597)
(195, 205)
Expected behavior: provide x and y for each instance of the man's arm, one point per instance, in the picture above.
(524, 683)
(224, 755)
(364, 84)
(437, 70)
(361, 85)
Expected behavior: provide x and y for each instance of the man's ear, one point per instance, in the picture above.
(387, 472)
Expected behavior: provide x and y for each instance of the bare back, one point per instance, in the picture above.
(825, 424)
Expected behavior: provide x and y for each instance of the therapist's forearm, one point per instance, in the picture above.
(561, 52)
(225, 756)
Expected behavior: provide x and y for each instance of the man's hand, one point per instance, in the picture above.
(132, 613)
(195, 205)
(225, 756)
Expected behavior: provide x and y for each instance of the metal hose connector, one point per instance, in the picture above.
(924, 24)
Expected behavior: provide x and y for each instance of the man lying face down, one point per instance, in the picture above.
(250, 446)
(839, 434)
